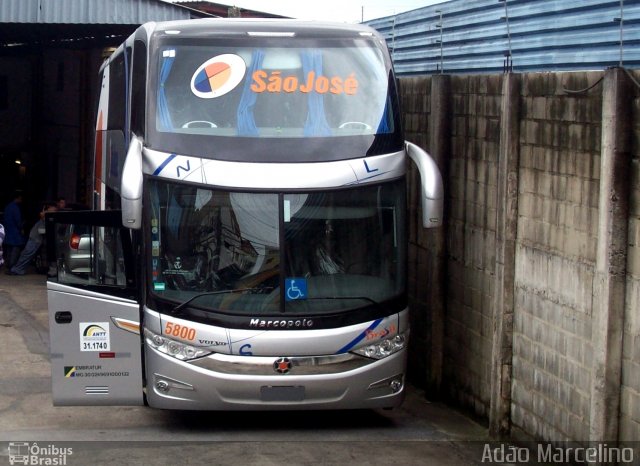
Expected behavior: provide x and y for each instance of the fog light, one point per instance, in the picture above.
(162, 385)
(396, 385)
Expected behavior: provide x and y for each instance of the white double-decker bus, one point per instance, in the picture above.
(248, 243)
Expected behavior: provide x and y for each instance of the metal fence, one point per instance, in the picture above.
(488, 36)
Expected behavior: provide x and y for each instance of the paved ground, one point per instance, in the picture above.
(417, 433)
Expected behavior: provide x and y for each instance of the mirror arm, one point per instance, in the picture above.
(432, 190)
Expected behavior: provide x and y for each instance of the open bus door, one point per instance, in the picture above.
(94, 310)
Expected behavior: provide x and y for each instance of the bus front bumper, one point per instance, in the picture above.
(223, 382)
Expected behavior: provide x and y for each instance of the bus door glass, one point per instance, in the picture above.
(94, 311)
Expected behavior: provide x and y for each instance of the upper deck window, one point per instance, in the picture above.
(270, 89)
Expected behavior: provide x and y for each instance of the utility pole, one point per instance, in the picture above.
(440, 26)
(621, 30)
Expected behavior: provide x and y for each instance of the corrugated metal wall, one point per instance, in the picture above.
(540, 35)
(89, 11)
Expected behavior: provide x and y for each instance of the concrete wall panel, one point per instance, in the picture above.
(551, 348)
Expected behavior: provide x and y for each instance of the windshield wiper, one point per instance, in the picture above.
(364, 298)
(184, 304)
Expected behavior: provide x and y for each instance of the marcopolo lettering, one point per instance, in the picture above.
(277, 323)
(275, 82)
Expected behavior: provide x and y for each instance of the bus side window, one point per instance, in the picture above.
(138, 86)
(115, 135)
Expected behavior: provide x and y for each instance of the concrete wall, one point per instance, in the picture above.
(416, 107)
(630, 397)
(537, 327)
(555, 255)
(471, 224)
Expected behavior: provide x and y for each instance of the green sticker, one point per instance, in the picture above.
(158, 286)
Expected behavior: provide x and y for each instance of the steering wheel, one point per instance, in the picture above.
(199, 124)
(355, 125)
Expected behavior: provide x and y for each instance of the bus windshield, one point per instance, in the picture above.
(268, 253)
(242, 89)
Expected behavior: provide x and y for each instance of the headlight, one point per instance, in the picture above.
(383, 348)
(174, 348)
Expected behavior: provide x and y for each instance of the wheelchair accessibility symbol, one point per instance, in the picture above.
(295, 289)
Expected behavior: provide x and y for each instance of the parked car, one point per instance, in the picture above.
(74, 249)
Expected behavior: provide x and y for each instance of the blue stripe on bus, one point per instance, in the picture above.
(372, 176)
(359, 338)
(164, 164)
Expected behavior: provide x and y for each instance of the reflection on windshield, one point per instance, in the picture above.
(273, 92)
(344, 244)
(205, 240)
(299, 253)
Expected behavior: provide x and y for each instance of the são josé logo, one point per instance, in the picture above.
(218, 76)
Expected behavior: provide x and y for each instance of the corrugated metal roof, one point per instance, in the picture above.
(89, 11)
(79, 23)
(542, 35)
(222, 9)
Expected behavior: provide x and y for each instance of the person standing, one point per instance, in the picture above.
(1, 241)
(36, 236)
(13, 240)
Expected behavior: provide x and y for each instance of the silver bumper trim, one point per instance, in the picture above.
(267, 365)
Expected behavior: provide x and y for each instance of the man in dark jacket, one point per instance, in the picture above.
(36, 236)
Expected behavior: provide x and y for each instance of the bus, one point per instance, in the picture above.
(247, 246)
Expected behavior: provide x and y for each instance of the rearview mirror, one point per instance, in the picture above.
(131, 186)
(431, 190)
